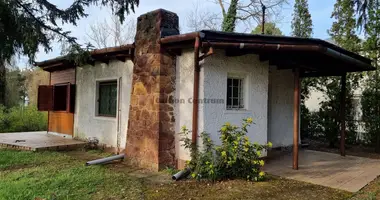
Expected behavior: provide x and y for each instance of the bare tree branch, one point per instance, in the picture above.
(199, 18)
(222, 7)
(250, 11)
(111, 32)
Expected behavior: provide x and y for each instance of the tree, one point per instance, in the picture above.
(2, 83)
(343, 29)
(270, 28)
(247, 11)
(343, 34)
(302, 25)
(330, 115)
(371, 109)
(34, 78)
(364, 9)
(370, 101)
(229, 20)
(199, 18)
(111, 33)
(15, 87)
(27, 25)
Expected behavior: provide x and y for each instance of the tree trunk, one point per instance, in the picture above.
(229, 20)
(2, 83)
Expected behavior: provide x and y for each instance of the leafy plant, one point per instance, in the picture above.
(371, 109)
(236, 157)
(22, 119)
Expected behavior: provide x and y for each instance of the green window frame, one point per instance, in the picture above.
(107, 98)
(235, 93)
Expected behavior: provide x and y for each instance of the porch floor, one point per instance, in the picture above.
(348, 173)
(37, 141)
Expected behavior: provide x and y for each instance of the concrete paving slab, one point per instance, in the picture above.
(37, 141)
(348, 173)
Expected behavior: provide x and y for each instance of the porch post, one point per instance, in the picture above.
(296, 115)
(343, 115)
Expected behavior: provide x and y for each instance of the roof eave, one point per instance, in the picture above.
(63, 60)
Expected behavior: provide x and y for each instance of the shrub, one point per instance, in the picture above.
(236, 157)
(22, 119)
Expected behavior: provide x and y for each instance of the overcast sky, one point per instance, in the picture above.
(320, 11)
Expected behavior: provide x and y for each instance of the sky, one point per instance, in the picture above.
(320, 11)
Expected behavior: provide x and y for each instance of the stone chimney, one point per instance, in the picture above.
(151, 125)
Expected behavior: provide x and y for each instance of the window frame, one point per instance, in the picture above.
(97, 98)
(243, 99)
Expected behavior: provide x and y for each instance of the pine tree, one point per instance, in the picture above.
(364, 7)
(343, 29)
(229, 21)
(27, 25)
(302, 25)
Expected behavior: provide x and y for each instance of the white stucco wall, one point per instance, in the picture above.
(86, 123)
(314, 100)
(255, 73)
(183, 109)
(280, 110)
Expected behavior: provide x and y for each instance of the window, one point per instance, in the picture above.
(235, 95)
(59, 97)
(107, 98)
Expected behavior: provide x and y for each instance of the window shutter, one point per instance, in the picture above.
(72, 99)
(45, 98)
(68, 99)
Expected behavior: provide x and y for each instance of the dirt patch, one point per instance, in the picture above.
(274, 188)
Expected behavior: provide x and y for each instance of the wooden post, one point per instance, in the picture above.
(296, 117)
(343, 115)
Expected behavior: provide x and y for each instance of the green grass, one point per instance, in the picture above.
(62, 175)
(49, 175)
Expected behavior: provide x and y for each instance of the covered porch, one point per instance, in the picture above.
(349, 173)
(306, 57)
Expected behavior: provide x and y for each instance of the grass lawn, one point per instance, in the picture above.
(62, 175)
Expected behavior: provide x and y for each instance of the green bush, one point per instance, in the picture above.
(22, 119)
(235, 158)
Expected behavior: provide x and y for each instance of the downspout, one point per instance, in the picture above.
(118, 134)
(197, 58)
(196, 90)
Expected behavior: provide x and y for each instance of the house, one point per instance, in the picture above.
(136, 97)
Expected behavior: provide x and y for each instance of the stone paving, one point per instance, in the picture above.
(37, 141)
(348, 173)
